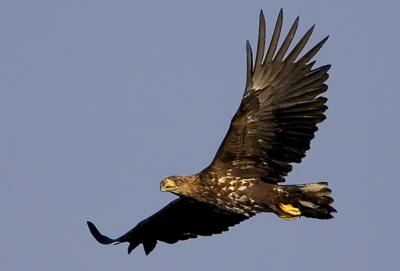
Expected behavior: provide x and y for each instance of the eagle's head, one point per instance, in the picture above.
(179, 185)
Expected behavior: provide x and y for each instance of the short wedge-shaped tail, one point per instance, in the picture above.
(310, 200)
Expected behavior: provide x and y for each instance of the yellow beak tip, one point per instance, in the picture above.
(167, 185)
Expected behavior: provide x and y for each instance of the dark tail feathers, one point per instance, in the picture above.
(309, 200)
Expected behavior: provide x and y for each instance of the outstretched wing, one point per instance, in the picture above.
(180, 220)
(279, 112)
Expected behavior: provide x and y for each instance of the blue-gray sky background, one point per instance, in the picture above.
(100, 100)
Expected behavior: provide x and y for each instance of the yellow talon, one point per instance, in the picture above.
(290, 209)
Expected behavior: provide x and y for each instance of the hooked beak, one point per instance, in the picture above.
(167, 185)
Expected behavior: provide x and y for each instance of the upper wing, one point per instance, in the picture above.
(279, 112)
(180, 220)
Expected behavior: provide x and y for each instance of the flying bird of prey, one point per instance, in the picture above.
(276, 120)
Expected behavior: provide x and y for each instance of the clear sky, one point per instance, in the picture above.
(100, 100)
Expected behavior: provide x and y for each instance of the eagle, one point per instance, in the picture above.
(282, 104)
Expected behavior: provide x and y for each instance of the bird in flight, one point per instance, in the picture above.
(272, 128)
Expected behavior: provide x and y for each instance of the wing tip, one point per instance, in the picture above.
(261, 40)
(249, 60)
(296, 24)
(262, 17)
(248, 45)
(323, 41)
(280, 14)
(313, 51)
(310, 31)
(102, 239)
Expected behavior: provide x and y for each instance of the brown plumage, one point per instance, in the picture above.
(272, 129)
